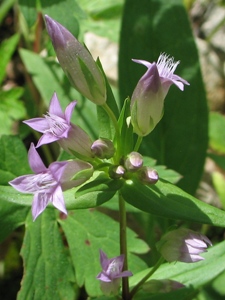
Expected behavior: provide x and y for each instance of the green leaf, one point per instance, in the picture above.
(126, 131)
(47, 271)
(63, 12)
(149, 28)
(94, 193)
(106, 127)
(12, 215)
(13, 159)
(5, 7)
(7, 49)
(216, 132)
(168, 201)
(11, 109)
(192, 275)
(29, 11)
(87, 231)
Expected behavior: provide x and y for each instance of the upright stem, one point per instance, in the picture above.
(115, 123)
(123, 244)
(142, 281)
(138, 143)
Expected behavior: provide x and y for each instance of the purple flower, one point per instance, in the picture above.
(147, 101)
(111, 273)
(47, 184)
(183, 245)
(77, 62)
(56, 126)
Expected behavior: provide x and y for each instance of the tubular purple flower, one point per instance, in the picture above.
(111, 273)
(56, 126)
(48, 184)
(147, 101)
(183, 245)
(77, 62)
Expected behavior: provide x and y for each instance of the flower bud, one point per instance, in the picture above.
(147, 101)
(77, 62)
(103, 148)
(183, 245)
(116, 172)
(148, 175)
(134, 161)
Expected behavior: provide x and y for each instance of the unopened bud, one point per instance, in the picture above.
(134, 161)
(103, 148)
(77, 62)
(116, 172)
(148, 175)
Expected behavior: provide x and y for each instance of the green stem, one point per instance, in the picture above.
(123, 245)
(138, 143)
(142, 281)
(115, 123)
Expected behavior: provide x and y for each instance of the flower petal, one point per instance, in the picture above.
(36, 164)
(47, 138)
(39, 204)
(38, 124)
(57, 169)
(23, 184)
(55, 107)
(104, 260)
(58, 200)
(68, 111)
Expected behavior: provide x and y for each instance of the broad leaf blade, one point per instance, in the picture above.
(180, 140)
(168, 201)
(47, 271)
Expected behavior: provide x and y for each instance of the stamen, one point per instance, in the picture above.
(166, 65)
(57, 125)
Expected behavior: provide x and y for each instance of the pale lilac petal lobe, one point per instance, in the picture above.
(124, 274)
(69, 110)
(35, 161)
(22, 184)
(39, 204)
(142, 62)
(38, 124)
(58, 200)
(102, 276)
(57, 169)
(103, 260)
(55, 107)
(46, 138)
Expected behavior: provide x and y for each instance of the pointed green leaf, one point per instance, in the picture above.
(167, 200)
(7, 49)
(47, 271)
(179, 141)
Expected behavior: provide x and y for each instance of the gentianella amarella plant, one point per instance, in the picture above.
(115, 163)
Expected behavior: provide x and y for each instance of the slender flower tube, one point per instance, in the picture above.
(183, 245)
(56, 126)
(48, 184)
(147, 101)
(77, 62)
(111, 273)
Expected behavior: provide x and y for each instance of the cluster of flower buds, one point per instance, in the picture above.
(131, 166)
